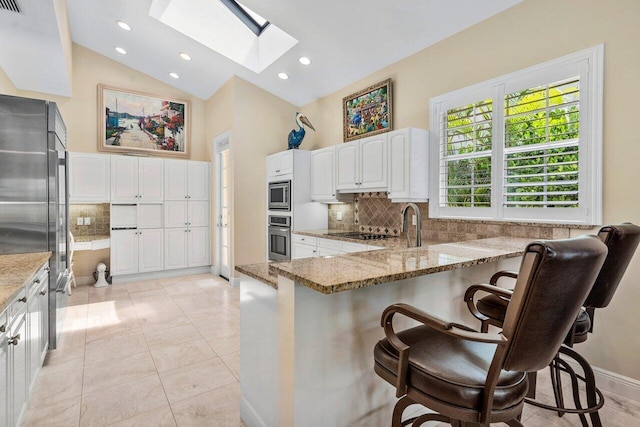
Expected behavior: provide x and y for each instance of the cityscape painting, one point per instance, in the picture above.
(134, 122)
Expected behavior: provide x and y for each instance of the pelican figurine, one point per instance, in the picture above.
(296, 136)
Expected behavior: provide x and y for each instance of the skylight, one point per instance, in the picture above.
(233, 31)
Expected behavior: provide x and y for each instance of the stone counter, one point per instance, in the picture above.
(15, 272)
(259, 272)
(362, 269)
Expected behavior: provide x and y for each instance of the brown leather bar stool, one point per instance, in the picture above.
(473, 378)
(622, 241)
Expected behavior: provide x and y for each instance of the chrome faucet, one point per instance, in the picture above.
(416, 210)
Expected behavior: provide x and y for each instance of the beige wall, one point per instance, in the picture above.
(527, 34)
(262, 124)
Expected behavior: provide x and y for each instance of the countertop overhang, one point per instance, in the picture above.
(345, 272)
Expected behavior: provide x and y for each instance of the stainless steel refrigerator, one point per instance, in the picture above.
(34, 208)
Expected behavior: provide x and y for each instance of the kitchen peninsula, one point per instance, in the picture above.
(307, 337)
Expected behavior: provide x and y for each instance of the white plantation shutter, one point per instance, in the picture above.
(523, 147)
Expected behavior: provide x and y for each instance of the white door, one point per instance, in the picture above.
(124, 252)
(150, 182)
(175, 248)
(198, 247)
(399, 150)
(151, 253)
(223, 181)
(198, 181)
(89, 178)
(347, 166)
(175, 179)
(124, 179)
(373, 162)
(322, 175)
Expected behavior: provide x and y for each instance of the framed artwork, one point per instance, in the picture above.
(367, 112)
(141, 123)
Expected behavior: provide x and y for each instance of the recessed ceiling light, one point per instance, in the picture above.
(174, 75)
(124, 25)
(184, 56)
(283, 76)
(121, 50)
(304, 60)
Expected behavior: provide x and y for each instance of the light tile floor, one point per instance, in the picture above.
(166, 353)
(154, 353)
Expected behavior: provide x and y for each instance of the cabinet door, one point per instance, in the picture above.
(285, 163)
(322, 175)
(4, 373)
(150, 216)
(198, 214)
(347, 166)
(150, 180)
(124, 179)
(198, 181)
(300, 250)
(175, 248)
(328, 251)
(18, 366)
(34, 324)
(175, 214)
(124, 252)
(399, 164)
(373, 162)
(151, 251)
(43, 300)
(198, 246)
(175, 179)
(89, 178)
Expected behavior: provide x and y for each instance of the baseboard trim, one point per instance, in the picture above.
(234, 281)
(215, 270)
(127, 278)
(610, 381)
(85, 280)
(248, 414)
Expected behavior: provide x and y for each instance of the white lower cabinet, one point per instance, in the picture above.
(186, 247)
(137, 251)
(301, 250)
(23, 333)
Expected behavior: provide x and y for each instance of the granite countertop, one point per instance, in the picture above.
(357, 270)
(260, 272)
(15, 272)
(91, 238)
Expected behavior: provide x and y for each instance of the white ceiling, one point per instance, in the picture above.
(346, 40)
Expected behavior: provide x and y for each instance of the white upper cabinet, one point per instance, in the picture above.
(136, 180)
(362, 164)
(408, 165)
(323, 180)
(175, 179)
(280, 164)
(150, 182)
(186, 180)
(198, 180)
(124, 179)
(89, 178)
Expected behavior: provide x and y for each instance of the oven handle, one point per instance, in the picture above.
(283, 229)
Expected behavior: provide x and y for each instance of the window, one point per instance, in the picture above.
(523, 147)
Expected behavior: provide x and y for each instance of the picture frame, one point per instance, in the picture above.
(132, 122)
(368, 112)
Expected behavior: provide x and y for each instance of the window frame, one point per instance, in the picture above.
(590, 66)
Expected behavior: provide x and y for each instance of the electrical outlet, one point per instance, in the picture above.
(87, 221)
(414, 220)
(339, 216)
(79, 221)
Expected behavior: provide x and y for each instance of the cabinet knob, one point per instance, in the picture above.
(333, 195)
(43, 292)
(186, 223)
(23, 299)
(47, 269)
(277, 170)
(14, 340)
(36, 281)
(3, 328)
(186, 231)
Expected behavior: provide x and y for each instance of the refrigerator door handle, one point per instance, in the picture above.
(62, 285)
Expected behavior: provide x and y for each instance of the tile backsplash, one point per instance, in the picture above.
(100, 220)
(374, 213)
